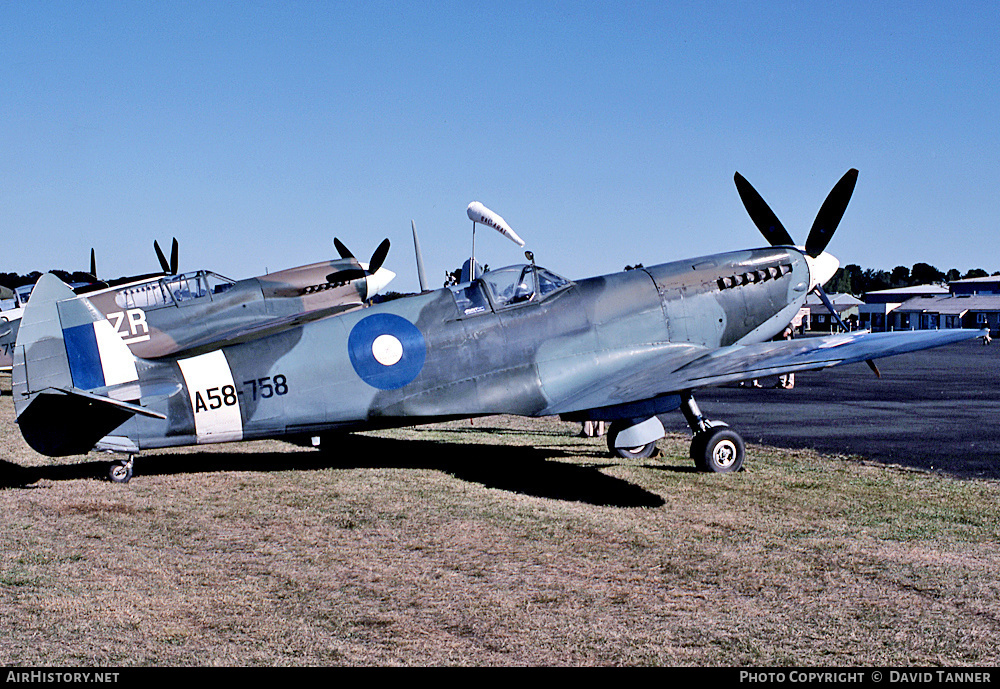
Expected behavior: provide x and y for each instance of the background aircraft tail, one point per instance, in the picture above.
(73, 380)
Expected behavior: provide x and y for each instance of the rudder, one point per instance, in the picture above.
(73, 380)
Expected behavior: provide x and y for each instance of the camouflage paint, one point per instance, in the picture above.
(623, 346)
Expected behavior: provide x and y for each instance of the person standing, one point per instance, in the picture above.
(787, 380)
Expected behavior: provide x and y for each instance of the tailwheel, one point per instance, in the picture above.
(718, 449)
(638, 452)
(120, 471)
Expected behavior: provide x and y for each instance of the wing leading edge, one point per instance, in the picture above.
(648, 380)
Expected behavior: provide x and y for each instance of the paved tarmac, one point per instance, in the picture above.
(937, 409)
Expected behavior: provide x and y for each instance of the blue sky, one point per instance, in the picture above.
(605, 134)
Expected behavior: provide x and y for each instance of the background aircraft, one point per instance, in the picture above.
(202, 309)
(162, 313)
(625, 347)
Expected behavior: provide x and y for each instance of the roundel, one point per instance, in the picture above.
(386, 350)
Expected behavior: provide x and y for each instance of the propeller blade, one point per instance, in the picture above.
(341, 249)
(163, 259)
(821, 293)
(93, 263)
(173, 257)
(762, 215)
(830, 214)
(379, 256)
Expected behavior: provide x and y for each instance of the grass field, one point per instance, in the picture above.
(496, 542)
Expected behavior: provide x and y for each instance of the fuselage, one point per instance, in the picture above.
(518, 341)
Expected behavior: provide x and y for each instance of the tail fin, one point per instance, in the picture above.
(73, 380)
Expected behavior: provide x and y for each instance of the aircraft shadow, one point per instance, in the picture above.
(16, 476)
(523, 470)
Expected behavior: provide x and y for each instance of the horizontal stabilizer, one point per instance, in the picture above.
(59, 422)
(101, 399)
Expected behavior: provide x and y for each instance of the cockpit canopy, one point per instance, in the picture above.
(506, 287)
(172, 290)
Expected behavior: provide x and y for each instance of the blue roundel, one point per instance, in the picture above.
(386, 350)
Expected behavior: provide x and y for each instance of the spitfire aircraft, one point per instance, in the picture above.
(162, 313)
(625, 347)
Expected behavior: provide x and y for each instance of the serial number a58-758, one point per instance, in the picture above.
(226, 395)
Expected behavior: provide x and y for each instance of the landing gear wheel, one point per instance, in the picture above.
(120, 471)
(640, 452)
(718, 450)
(698, 442)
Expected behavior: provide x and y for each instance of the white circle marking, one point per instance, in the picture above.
(387, 350)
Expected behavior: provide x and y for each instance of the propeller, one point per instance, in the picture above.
(348, 274)
(830, 214)
(171, 267)
(825, 224)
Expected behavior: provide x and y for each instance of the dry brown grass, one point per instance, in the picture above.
(498, 542)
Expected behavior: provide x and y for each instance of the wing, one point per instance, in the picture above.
(675, 368)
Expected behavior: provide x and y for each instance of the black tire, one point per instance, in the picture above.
(120, 472)
(698, 446)
(720, 450)
(698, 441)
(640, 452)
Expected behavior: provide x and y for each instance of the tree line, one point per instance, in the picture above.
(853, 279)
(14, 280)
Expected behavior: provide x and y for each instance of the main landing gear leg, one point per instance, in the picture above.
(120, 471)
(715, 447)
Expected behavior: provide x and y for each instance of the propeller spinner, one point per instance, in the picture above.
(822, 265)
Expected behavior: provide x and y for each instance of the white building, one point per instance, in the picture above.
(876, 314)
(969, 303)
(820, 318)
